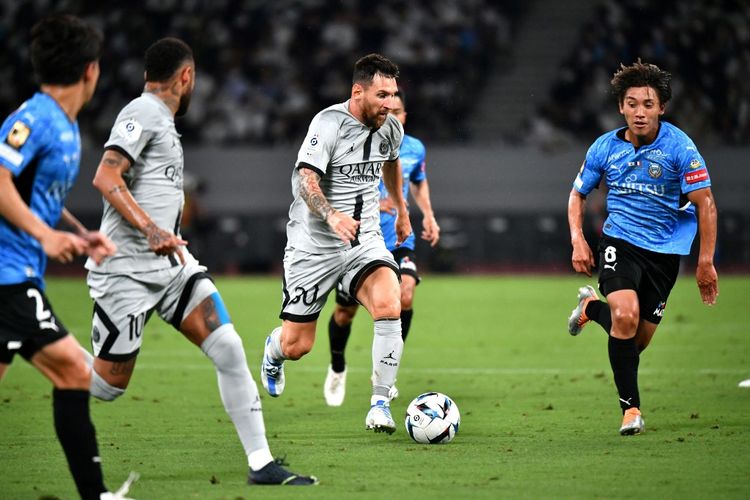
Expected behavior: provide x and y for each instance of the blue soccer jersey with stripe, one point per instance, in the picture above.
(42, 148)
(646, 201)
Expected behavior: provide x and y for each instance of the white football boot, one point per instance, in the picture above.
(334, 388)
(120, 493)
(379, 418)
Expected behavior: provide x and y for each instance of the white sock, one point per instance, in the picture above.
(387, 347)
(238, 391)
(275, 353)
(87, 356)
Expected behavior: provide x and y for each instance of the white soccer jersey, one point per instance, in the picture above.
(144, 132)
(349, 158)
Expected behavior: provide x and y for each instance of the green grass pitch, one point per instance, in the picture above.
(539, 409)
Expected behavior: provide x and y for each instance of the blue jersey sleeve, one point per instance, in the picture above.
(23, 137)
(692, 168)
(418, 174)
(592, 169)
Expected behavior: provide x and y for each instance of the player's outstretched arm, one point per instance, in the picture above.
(110, 182)
(99, 246)
(58, 245)
(394, 184)
(430, 229)
(583, 258)
(309, 189)
(705, 274)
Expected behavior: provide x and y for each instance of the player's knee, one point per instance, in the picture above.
(407, 299)
(224, 347)
(625, 318)
(386, 306)
(101, 389)
(344, 316)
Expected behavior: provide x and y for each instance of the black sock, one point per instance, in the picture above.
(406, 315)
(599, 312)
(78, 439)
(624, 357)
(338, 336)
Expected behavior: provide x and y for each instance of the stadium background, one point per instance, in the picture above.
(506, 96)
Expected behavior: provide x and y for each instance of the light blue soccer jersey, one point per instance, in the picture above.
(412, 156)
(647, 188)
(42, 149)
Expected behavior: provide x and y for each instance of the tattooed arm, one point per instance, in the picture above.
(309, 189)
(109, 181)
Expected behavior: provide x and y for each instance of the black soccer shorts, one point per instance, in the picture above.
(27, 322)
(624, 266)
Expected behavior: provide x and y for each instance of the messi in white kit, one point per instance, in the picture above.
(334, 230)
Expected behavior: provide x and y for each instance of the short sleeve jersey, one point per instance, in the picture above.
(349, 158)
(144, 132)
(646, 202)
(413, 170)
(42, 149)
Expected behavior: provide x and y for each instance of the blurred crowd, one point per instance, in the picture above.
(705, 44)
(266, 67)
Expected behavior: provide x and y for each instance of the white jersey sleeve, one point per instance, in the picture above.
(318, 147)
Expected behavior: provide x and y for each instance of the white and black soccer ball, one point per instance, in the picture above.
(432, 418)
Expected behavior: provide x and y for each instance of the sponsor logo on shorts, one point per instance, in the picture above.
(407, 263)
(697, 176)
(659, 311)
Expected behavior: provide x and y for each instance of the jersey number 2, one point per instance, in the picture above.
(43, 316)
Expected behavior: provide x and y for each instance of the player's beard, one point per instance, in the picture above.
(373, 121)
(184, 104)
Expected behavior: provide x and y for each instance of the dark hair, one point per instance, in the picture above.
(165, 57)
(641, 74)
(370, 65)
(401, 95)
(61, 48)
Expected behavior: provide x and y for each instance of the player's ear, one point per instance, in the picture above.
(91, 71)
(357, 90)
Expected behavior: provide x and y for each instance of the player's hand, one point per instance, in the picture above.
(99, 246)
(583, 259)
(387, 205)
(708, 282)
(343, 225)
(62, 246)
(403, 226)
(163, 242)
(430, 230)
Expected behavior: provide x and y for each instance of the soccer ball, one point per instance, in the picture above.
(432, 418)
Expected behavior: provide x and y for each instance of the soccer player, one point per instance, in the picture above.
(412, 156)
(658, 183)
(334, 230)
(140, 176)
(39, 161)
